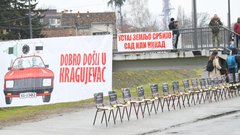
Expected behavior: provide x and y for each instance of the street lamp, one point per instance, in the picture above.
(30, 18)
(194, 8)
(229, 15)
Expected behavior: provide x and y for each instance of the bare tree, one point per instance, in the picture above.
(186, 22)
(140, 17)
(203, 19)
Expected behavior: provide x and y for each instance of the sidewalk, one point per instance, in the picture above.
(81, 122)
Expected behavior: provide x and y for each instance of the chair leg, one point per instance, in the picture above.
(126, 110)
(109, 115)
(95, 117)
(128, 115)
(188, 99)
(173, 101)
(146, 105)
(105, 117)
(140, 104)
(178, 102)
(183, 100)
(153, 105)
(193, 99)
(135, 109)
(160, 104)
(113, 117)
(120, 115)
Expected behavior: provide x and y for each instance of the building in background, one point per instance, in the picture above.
(67, 23)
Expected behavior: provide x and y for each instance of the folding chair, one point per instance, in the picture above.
(186, 88)
(179, 95)
(167, 96)
(155, 95)
(237, 82)
(233, 87)
(210, 89)
(127, 98)
(203, 89)
(114, 103)
(195, 90)
(101, 108)
(225, 85)
(217, 89)
(141, 97)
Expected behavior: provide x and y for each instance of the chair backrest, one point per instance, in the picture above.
(98, 97)
(112, 97)
(165, 89)
(175, 86)
(223, 79)
(154, 90)
(140, 92)
(236, 77)
(126, 94)
(216, 81)
(194, 83)
(203, 83)
(186, 84)
(230, 78)
(209, 82)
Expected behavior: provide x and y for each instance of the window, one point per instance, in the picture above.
(101, 33)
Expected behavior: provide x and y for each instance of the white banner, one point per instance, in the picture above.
(51, 70)
(131, 42)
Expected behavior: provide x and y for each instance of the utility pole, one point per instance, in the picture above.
(194, 10)
(229, 15)
(30, 19)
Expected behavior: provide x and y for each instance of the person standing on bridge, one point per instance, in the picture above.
(215, 25)
(173, 25)
(236, 29)
(216, 64)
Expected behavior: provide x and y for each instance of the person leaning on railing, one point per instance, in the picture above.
(236, 29)
(173, 25)
(215, 25)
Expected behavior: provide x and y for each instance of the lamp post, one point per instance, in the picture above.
(229, 15)
(194, 10)
(30, 18)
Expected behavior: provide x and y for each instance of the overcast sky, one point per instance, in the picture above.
(212, 7)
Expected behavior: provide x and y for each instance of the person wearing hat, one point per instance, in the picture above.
(215, 25)
(174, 27)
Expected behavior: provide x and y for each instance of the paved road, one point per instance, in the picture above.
(211, 118)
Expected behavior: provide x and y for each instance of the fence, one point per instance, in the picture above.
(203, 39)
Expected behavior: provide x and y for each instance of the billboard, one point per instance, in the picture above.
(52, 70)
(133, 42)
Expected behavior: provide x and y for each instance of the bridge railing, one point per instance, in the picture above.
(204, 39)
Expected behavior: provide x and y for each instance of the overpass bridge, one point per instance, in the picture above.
(188, 55)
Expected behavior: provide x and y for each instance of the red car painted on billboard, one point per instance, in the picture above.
(28, 77)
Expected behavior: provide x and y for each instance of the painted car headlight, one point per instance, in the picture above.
(9, 84)
(47, 82)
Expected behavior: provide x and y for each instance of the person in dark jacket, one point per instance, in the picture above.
(174, 27)
(215, 25)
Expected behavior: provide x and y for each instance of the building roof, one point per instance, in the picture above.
(86, 19)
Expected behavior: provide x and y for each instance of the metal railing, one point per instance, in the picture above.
(204, 39)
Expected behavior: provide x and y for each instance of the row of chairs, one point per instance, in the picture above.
(193, 91)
